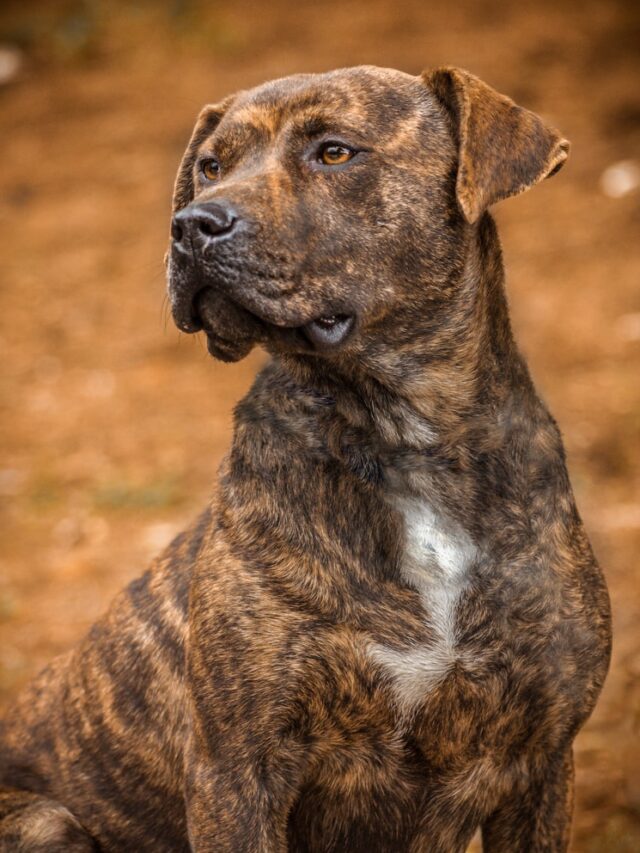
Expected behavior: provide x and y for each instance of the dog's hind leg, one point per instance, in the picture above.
(30, 823)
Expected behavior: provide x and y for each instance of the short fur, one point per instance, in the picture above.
(388, 626)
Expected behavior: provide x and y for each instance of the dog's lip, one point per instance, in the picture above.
(324, 334)
(199, 309)
(329, 331)
(188, 314)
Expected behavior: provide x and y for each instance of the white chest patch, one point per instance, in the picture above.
(437, 557)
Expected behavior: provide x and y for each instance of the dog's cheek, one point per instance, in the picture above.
(356, 192)
(429, 233)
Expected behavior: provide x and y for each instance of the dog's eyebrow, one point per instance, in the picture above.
(315, 125)
(237, 135)
(319, 125)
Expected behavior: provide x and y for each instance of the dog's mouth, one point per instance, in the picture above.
(323, 333)
(328, 332)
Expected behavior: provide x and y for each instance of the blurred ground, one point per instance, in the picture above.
(113, 424)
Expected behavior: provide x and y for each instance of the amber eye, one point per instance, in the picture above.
(210, 169)
(333, 154)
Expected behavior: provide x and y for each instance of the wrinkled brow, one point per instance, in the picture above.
(234, 137)
(237, 136)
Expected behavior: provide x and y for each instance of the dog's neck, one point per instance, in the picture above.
(452, 416)
(458, 378)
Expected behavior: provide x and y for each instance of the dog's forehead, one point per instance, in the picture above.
(363, 94)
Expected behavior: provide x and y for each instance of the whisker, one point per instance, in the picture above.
(165, 312)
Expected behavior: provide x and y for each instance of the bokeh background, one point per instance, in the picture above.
(113, 423)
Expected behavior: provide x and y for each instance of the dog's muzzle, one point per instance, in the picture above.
(198, 233)
(195, 232)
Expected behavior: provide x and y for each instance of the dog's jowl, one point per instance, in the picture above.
(387, 628)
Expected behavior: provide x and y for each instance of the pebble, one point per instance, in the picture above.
(620, 179)
(11, 61)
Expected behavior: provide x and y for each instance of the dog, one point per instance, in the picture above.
(387, 628)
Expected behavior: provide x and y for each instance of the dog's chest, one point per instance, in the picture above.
(436, 560)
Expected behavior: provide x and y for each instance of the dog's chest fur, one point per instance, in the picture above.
(436, 560)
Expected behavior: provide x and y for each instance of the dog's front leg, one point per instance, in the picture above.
(247, 752)
(237, 805)
(537, 819)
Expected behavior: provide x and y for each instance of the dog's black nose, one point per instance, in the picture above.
(200, 224)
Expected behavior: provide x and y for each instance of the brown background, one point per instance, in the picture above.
(113, 423)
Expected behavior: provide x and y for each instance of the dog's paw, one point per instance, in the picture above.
(231, 331)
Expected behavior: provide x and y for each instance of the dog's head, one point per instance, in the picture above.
(328, 214)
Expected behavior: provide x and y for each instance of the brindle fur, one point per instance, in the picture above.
(274, 681)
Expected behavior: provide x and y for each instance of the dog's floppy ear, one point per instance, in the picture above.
(503, 149)
(206, 123)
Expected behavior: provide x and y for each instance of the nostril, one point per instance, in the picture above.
(206, 227)
(214, 226)
(177, 232)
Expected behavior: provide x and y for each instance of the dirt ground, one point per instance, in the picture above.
(113, 423)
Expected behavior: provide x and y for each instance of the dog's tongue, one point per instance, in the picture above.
(327, 332)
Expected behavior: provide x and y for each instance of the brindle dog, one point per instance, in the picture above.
(388, 627)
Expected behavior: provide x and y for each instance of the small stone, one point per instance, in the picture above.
(620, 179)
(11, 61)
